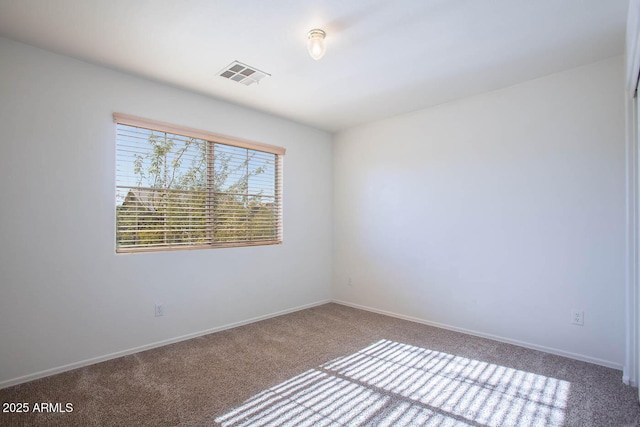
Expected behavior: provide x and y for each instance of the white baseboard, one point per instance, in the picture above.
(94, 360)
(524, 344)
(87, 362)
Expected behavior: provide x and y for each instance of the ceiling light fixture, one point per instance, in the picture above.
(316, 45)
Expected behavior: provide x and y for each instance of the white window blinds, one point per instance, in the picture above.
(183, 188)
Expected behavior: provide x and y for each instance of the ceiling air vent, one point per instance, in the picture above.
(242, 73)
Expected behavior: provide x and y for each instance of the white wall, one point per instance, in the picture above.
(497, 214)
(65, 296)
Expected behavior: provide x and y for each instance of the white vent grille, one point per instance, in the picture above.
(242, 73)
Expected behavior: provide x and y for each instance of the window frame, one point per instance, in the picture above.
(213, 138)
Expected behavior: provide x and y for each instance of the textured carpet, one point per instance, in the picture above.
(333, 365)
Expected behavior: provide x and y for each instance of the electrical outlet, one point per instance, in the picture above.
(349, 282)
(577, 317)
(159, 309)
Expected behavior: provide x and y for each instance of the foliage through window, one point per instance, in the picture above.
(182, 188)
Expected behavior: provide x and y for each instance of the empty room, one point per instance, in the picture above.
(329, 213)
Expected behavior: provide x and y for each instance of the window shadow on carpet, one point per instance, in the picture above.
(394, 384)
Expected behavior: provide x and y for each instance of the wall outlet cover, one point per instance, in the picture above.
(577, 317)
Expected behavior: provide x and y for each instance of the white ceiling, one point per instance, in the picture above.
(383, 57)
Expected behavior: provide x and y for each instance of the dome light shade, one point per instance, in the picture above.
(316, 45)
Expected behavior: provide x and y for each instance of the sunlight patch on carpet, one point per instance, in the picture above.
(395, 384)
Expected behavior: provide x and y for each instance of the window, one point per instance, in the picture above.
(183, 188)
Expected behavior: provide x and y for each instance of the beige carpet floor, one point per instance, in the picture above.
(338, 366)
